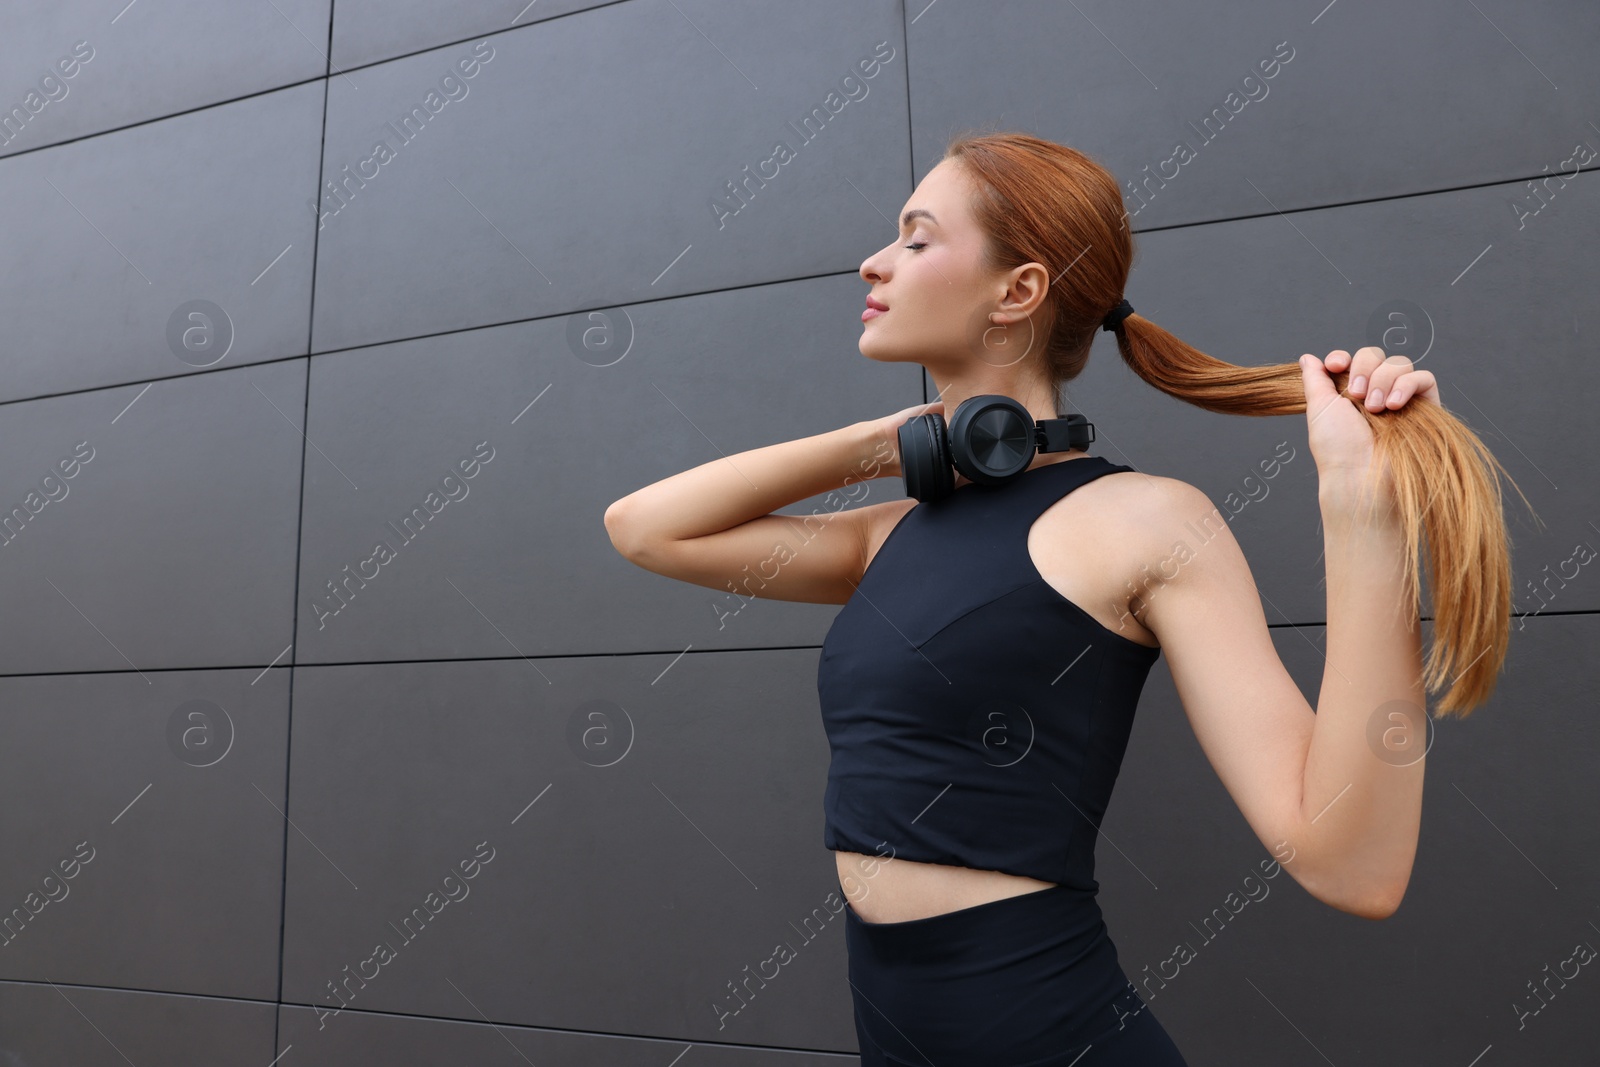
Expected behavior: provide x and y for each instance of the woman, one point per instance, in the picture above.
(978, 686)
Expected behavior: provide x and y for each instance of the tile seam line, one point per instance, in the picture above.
(1160, 228)
(382, 1013)
(304, 81)
(568, 1031)
(299, 539)
(1271, 213)
(1574, 613)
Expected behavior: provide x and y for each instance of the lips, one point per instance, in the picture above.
(877, 305)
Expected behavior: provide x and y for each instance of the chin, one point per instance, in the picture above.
(874, 349)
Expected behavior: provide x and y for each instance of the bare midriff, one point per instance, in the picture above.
(885, 889)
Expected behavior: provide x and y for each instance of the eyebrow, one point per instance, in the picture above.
(916, 213)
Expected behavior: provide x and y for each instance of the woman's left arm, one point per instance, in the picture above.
(1336, 791)
(1364, 766)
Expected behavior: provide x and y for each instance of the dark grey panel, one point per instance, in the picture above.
(402, 1041)
(654, 843)
(75, 67)
(492, 206)
(365, 31)
(143, 832)
(594, 843)
(1499, 897)
(112, 242)
(689, 381)
(1448, 279)
(1362, 101)
(152, 526)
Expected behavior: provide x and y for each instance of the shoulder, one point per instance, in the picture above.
(1147, 507)
(1189, 571)
(1160, 523)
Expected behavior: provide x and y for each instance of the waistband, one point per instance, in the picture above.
(1060, 915)
(1027, 975)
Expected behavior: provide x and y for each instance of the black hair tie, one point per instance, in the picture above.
(1115, 316)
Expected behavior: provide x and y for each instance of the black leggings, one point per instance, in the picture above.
(1024, 981)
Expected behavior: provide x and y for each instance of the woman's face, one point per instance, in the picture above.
(938, 292)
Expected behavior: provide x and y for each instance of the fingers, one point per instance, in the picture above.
(1361, 366)
(1381, 381)
(1373, 376)
(1414, 383)
(1319, 387)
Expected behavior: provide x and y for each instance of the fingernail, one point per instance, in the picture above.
(1359, 384)
(1375, 399)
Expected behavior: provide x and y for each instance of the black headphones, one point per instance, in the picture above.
(991, 440)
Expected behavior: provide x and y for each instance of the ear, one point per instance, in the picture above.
(1026, 288)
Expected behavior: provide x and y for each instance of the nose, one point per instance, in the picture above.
(868, 272)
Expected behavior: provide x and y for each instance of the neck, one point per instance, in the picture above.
(1034, 395)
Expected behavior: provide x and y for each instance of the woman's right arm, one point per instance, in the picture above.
(713, 525)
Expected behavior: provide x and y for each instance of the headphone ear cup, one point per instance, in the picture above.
(925, 464)
(992, 438)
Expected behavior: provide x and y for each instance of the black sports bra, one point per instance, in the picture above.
(976, 717)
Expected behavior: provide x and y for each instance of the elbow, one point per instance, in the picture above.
(1377, 904)
(1375, 908)
(1387, 903)
(1366, 894)
(632, 541)
(616, 524)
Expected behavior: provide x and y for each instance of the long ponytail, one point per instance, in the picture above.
(1044, 202)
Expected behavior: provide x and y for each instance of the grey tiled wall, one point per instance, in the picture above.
(244, 345)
